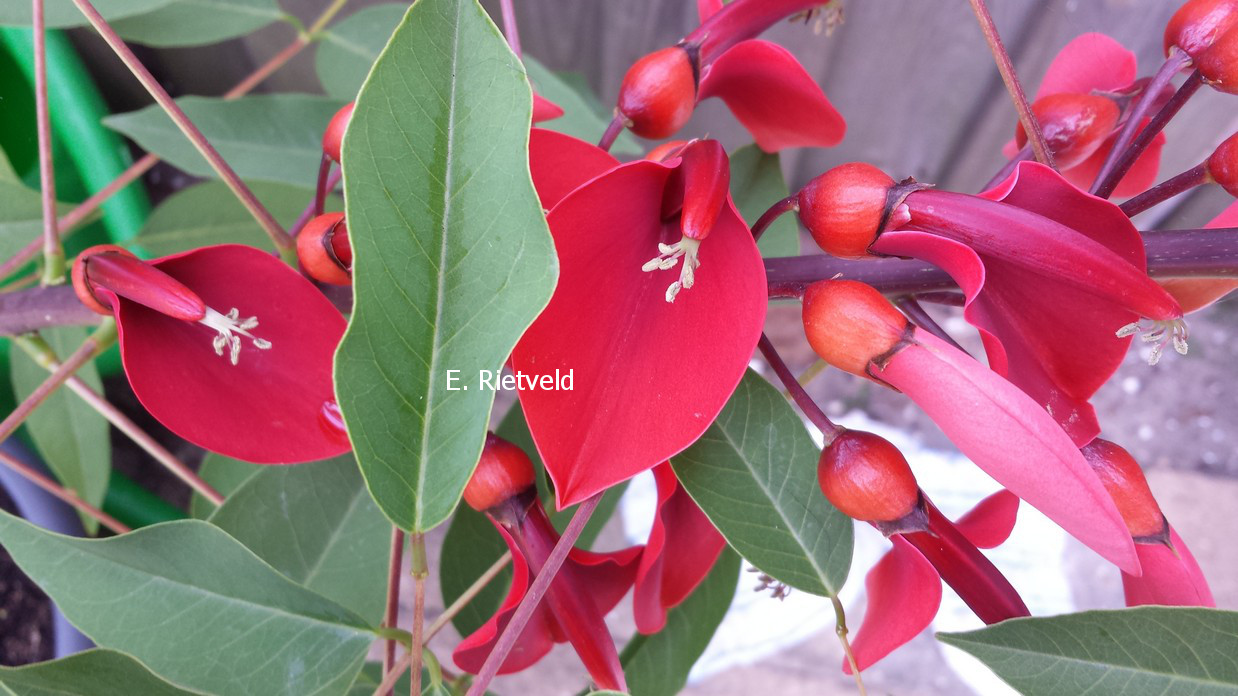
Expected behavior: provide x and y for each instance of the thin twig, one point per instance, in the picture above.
(308, 214)
(394, 576)
(1004, 173)
(1031, 125)
(541, 583)
(808, 407)
(393, 675)
(62, 493)
(462, 601)
(509, 26)
(840, 628)
(1195, 176)
(420, 570)
(612, 132)
(775, 211)
(53, 252)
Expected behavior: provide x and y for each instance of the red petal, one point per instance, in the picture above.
(1196, 293)
(706, 8)
(1142, 174)
(773, 96)
(705, 174)
(904, 593)
(649, 376)
(1002, 430)
(683, 546)
(544, 109)
(990, 523)
(1089, 62)
(559, 163)
(1169, 579)
(274, 406)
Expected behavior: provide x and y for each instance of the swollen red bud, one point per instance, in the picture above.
(1219, 64)
(1223, 165)
(503, 473)
(1074, 125)
(1198, 23)
(659, 92)
(867, 478)
(1125, 483)
(324, 251)
(850, 324)
(117, 270)
(843, 208)
(333, 138)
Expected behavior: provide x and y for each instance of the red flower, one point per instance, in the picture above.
(226, 346)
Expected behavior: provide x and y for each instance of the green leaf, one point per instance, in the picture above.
(756, 184)
(226, 475)
(266, 137)
(62, 13)
(90, 673)
(69, 435)
(348, 48)
(316, 524)
(209, 213)
(1146, 650)
(658, 665)
(452, 256)
(583, 115)
(196, 607)
(21, 208)
(198, 22)
(754, 474)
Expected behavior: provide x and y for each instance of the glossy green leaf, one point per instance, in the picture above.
(1148, 650)
(583, 116)
(754, 474)
(265, 137)
(226, 475)
(198, 22)
(69, 435)
(349, 47)
(196, 607)
(452, 256)
(316, 524)
(209, 213)
(90, 673)
(756, 184)
(63, 13)
(658, 665)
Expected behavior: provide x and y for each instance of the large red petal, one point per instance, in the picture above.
(648, 376)
(990, 523)
(273, 406)
(1196, 293)
(1169, 579)
(1141, 176)
(1013, 439)
(773, 96)
(904, 593)
(1089, 62)
(559, 163)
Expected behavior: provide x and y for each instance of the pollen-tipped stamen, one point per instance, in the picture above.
(226, 327)
(687, 248)
(1160, 332)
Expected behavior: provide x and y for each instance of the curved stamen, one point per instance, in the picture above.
(226, 327)
(1161, 333)
(686, 247)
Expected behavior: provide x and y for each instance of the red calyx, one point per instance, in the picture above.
(333, 137)
(867, 478)
(844, 207)
(1219, 63)
(1222, 165)
(659, 92)
(112, 269)
(1124, 480)
(1074, 125)
(324, 251)
(503, 472)
(850, 324)
(1198, 23)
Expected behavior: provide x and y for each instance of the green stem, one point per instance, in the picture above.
(840, 628)
(420, 570)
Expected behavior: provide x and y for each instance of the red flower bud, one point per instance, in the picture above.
(1219, 64)
(843, 208)
(1198, 23)
(1074, 125)
(503, 472)
(850, 324)
(115, 270)
(1223, 165)
(333, 138)
(80, 284)
(659, 92)
(665, 151)
(324, 251)
(867, 478)
(1124, 480)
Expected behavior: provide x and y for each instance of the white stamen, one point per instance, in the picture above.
(227, 326)
(1160, 333)
(669, 258)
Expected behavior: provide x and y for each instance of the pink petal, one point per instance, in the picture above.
(1168, 579)
(544, 109)
(904, 593)
(682, 548)
(773, 96)
(273, 406)
(1013, 439)
(1089, 62)
(1142, 174)
(559, 163)
(990, 523)
(650, 376)
(706, 8)
(1196, 293)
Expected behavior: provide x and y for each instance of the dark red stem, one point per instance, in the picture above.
(950, 299)
(309, 212)
(1008, 168)
(509, 26)
(1195, 176)
(612, 132)
(912, 309)
(797, 392)
(394, 574)
(320, 191)
(775, 211)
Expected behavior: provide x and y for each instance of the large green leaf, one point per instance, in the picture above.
(225, 475)
(583, 115)
(198, 22)
(754, 474)
(316, 524)
(452, 256)
(756, 184)
(62, 13)
(267, 137)
(349, 48)
(658, 665)
(209, 213)
(70, 436)
(196, 607)
(90, 673)
(1147, 650)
